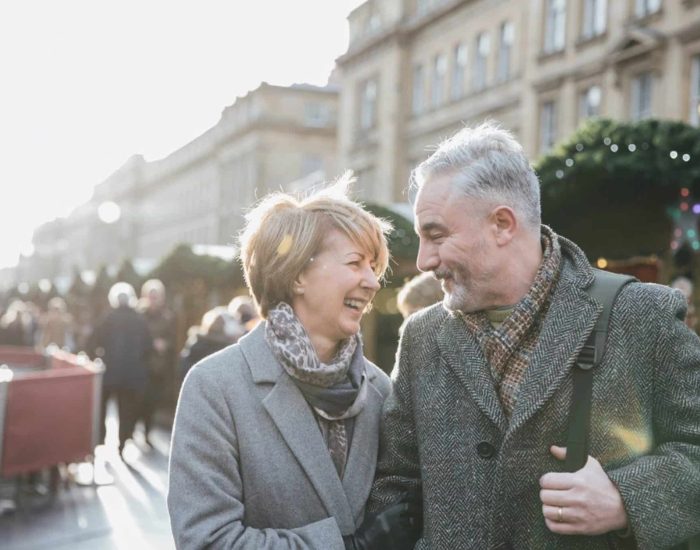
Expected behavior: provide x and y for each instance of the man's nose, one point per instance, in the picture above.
(427, 259)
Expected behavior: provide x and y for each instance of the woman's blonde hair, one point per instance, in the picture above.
(282, 233)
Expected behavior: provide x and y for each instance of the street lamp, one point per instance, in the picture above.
(109, 212)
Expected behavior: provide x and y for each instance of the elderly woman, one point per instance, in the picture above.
(275, 438)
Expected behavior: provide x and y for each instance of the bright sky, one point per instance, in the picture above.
(84, 84)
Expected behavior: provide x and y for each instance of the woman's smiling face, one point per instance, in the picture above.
(335, 289)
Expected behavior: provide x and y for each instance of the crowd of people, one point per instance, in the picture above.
(136, 339)
(485, 436)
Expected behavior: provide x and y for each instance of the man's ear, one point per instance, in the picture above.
(505, 224)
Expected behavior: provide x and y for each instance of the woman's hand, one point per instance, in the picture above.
(398, 527)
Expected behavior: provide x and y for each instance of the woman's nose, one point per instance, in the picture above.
(370, 279)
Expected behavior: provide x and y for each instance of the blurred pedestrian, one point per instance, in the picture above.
(217, 330)
(417, 293)
(56, 326)
(15, 325)
(161, 361)
(243, 310)
(123, 341)
(275, 438)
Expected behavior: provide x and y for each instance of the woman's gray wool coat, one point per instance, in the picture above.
(249, 468)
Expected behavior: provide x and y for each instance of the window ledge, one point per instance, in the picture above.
(585, 41)
(648, 18)
(549, 55)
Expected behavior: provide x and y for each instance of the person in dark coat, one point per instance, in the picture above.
(14, 325)
(123, 342)
(161, 324)
(217, 330)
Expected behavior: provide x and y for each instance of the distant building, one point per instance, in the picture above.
(198, 194)
(417, 70)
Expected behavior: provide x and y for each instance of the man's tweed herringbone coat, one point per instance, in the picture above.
(444, 417)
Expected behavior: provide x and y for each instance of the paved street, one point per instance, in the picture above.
(124, 510)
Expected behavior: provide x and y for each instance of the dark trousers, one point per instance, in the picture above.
(129, 403)
(151, 400)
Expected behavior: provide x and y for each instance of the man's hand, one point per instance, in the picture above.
(581, 503)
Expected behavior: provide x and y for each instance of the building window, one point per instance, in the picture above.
(316, 115)
(418, 99)
(459, 68)
(590, 100)
(548, 126)
(642, 8)
(505, 49)
(368, 104)
(695, 91)
(641, 96)
(438, 85)
(555, 26)
(595, 13)
(480, 61)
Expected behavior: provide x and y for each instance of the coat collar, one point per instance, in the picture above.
(568, 322)
(463, 355)
(295, 420)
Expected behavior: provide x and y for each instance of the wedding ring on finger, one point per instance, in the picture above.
(560, 514)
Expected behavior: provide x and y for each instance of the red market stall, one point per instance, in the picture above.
(49, 409)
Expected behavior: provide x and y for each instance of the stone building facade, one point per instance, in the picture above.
(416, 70)
(264, 141)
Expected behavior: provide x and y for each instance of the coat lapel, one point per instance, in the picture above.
(570, 319)
(362, 459)
(294, 419)
(463, 354)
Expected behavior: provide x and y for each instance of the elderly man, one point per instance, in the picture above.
(483, 384)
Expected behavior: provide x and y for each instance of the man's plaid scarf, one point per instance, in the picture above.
(507, 349)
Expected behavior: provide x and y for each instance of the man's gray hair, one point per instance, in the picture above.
(488, 164)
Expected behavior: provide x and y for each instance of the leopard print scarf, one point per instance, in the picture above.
(292, 347)
(336, 391)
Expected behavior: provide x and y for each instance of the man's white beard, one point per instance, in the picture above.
(456, 299)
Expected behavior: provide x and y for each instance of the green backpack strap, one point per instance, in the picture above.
(604, 290)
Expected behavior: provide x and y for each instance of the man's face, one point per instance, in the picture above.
(456, 244)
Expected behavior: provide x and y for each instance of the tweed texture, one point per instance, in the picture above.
(645, 422)
(508, 348)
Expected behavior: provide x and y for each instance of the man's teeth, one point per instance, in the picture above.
(355, 304)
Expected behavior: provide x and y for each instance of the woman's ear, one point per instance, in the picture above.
(298, 285)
